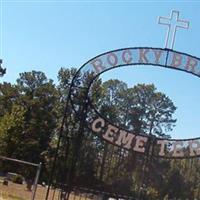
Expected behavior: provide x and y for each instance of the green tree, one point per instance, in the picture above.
(86, 164)
(140, 109)
(176, 187)
(2, 71)
(38, 95)
(12, 132)
(149, 111)
(36, 108)
(8, 96)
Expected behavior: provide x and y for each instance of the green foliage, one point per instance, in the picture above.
(29, 118)
(8, 95)
(11, 131)
(141, 108)
(152, 193)
(18, 179)
(177, 186)
(31, 113)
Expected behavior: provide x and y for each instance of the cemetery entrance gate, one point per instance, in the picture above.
(96, 158)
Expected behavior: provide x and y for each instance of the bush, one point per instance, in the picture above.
(152, 193)
(18, 179)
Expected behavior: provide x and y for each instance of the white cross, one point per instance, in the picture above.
(173, 23)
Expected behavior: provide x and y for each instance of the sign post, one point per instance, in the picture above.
(36, 180)
(27, 163)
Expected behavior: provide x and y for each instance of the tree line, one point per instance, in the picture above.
(31, 113)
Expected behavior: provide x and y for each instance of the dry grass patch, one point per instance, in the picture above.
(19, 192)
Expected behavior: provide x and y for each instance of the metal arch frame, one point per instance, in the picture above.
(82, 121)
(131, 64)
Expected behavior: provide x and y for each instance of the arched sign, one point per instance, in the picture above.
(167, 58)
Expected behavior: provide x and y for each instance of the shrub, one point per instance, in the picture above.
(152, 193)
(18, 179)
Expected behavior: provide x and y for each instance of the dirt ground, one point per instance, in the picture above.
(19, 192)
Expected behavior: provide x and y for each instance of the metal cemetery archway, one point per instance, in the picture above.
(135, 56)
(121, 142)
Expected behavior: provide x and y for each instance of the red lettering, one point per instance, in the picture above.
(157, 54)
(112, 59)
(126, 56)
(177, 60)
(191, 64)
(98, 65)
(143, 58)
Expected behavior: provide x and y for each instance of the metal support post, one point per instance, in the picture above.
(36, 181)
